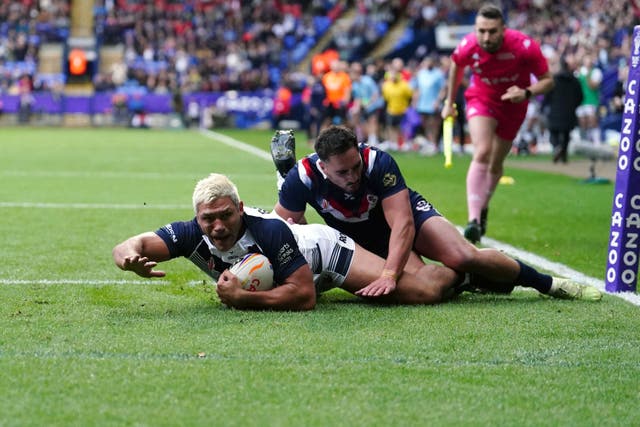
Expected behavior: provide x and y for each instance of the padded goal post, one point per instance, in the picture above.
(624, 234)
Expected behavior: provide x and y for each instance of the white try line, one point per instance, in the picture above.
(537, 261)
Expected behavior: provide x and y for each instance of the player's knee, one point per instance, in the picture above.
(460, 259)
(435, 284)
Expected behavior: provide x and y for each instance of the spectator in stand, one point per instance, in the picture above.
(560, 107)
(428, 86)
(281, 104)
(313, 99)
(590, 77)
(397, 93)
(337, 85)
(367, 101)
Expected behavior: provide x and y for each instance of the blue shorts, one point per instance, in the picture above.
(422, 209)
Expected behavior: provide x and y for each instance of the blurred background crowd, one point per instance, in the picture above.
(191, 46)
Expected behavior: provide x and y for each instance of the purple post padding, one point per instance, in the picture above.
(624, 235)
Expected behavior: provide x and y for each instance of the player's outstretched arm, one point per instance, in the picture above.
(141, 254)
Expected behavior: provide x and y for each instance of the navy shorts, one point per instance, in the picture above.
(421, 208)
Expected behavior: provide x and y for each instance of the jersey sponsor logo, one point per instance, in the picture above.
(389, 180)
(172, 233)
(504, 56)
(500, 80)
(285, 254)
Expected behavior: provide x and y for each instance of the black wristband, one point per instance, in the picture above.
(527, 93)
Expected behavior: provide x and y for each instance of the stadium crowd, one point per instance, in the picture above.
(216, 45)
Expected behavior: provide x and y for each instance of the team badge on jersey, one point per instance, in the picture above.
(389, 180)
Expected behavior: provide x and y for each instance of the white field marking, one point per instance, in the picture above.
(537, 261)
(102, 206)
(231, 142)
(149, 281)
(91, 206)
(81, 282)
(98, 174)
(557, 269)
(110, 175)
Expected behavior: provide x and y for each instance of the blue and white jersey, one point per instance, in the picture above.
(263, 233)
(358, 215)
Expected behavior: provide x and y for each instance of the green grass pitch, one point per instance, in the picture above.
(83, 343)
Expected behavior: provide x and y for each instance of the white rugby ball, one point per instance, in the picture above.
(254, 271)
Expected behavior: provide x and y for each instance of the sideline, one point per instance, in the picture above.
(554, 268)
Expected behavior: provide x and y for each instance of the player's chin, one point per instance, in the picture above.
(223, 243)
(490, 48)
(352, 186)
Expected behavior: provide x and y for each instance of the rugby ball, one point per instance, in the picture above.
(254, 271)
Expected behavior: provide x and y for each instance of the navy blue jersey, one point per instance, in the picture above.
(358, 215)
(268, 236)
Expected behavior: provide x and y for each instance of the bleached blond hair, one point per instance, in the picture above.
(212, 188)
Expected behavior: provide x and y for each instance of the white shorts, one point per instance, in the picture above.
(586, 110)
(328, 252)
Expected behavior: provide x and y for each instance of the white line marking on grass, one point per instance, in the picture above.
(98, 174)
(81, 282)
(558, 269)
(232, 142)
(555, 268)
(91, 206)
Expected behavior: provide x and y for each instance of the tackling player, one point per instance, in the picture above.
(360, 191)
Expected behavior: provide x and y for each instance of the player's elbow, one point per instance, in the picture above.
(306, 301)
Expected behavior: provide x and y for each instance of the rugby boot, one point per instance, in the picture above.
(283, 151)
(484, 214)
(567, 289)
(473, 232)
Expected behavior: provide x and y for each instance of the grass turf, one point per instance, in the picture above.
(82, 343)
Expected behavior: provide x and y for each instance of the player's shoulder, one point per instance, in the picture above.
(260, 218)
(518, 40)
(179, 228)
(468, 42)
(307, 171)
(466, 47)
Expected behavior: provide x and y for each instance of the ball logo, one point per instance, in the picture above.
(254, 271)
(254, 283)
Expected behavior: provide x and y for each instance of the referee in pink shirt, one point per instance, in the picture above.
(502, 61)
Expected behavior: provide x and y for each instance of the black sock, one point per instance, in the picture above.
(531, 278)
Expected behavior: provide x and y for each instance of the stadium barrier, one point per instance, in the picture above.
(231, 108)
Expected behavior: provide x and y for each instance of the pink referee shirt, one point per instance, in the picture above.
(493, 73)
(515, 61)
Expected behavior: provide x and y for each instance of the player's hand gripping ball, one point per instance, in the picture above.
(254, 271)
